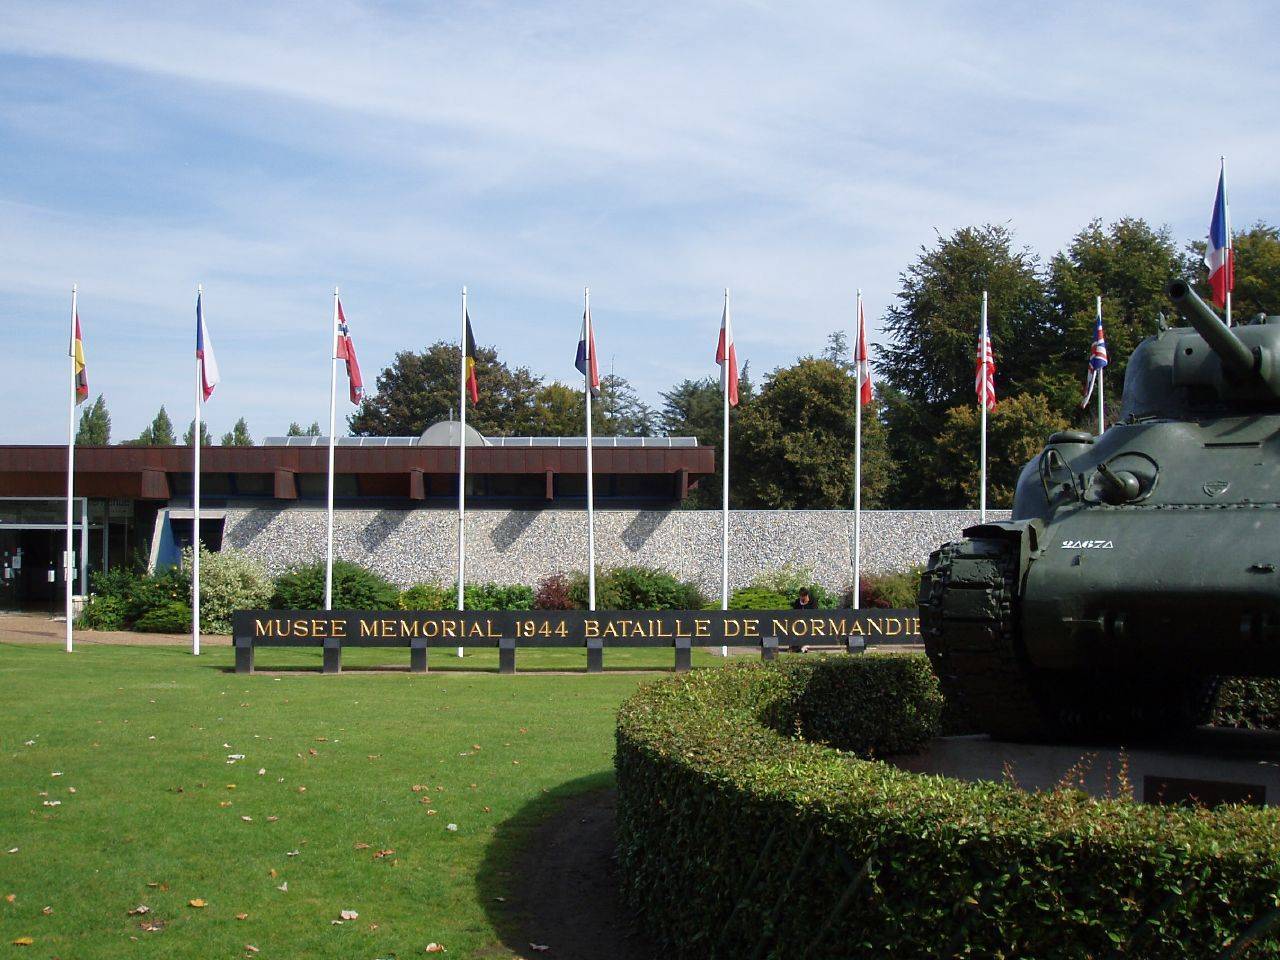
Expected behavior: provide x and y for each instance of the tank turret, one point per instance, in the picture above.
(1247, 364)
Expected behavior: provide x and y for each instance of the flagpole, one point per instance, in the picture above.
(1226, 219)
(1102, 413)
(724, 512)
(462, 458)
(71, 469)
(591, 501)
(857, 462)
(333, 418)
(982, 403)
(195, 490)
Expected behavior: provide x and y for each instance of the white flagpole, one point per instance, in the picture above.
(67, 565)
(857, 462)
(724, 513)
(982, 404)
(462, 459)
(591, 501)
(1102, 414)
(195, 494)
(333, 418)
(1226, 219)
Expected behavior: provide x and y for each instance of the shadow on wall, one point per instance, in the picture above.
(642, 526)
(379, 530)
(250, 526)
(511, 528)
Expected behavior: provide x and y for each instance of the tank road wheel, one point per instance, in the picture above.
(968, 616)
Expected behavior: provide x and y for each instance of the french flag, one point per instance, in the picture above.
(727, 357)
(204, 352)
(1218, 256)
(586, 358)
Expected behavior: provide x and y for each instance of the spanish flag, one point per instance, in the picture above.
(473, 386)
(77, 354)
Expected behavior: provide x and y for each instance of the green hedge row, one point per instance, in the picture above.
(740, 836)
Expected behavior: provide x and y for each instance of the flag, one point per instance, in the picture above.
(204, 353)
(346, 350)
(1097, 360)
(1218, 255)
(586, 358)
(727, 357)
(77, 353)
(985, 376)
(473, 385)
(860, 359)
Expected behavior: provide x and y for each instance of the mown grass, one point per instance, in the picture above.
(117, 792)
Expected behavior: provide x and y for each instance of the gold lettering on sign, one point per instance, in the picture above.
(892, 627)
(611, 630)
(781, 628)
(368, 628)
(702, 627)
(914, 629)
(489, 628)
(680, 629)
(751, 627)
(449, 628)
(591, 628)
(264, 628)
(338, 628)
(732, 628)
(874, 626)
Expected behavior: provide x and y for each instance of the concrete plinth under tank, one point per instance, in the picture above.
(1210, 765)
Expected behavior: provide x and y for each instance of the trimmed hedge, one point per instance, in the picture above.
(1248, 702)
(733, 829)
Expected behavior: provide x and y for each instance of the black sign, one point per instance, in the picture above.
(573, 628)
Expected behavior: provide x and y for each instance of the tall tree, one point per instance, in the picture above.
(1257, 259)
(206, 439)
(239, 435)
(159, 433)
(558, 411)
(619, 410)
(419, 389)
(933, 326)
(296, 431)
(1128, 264)
(95, 425)
(792, 446)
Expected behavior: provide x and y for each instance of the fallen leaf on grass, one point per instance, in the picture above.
(292, 853)
(13, 850)
(247, 819)
(362, 846)
(251, 948)
(348, 915)
(431, 813)
(272, 819)
(152, 926)
(139, 910)
(10, 897)
(452, 827)
(434, 948)
(47, 911)
(242, 916)
(382, 853)
(313, 751)
(284, 887)
(419, 787)
(197, 903)
(224, 803)
(24, 942)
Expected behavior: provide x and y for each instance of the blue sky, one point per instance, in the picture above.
(657, 151)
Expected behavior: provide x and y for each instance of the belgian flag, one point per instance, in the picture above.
(473, 386)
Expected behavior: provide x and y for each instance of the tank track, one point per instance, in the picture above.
(968, 617)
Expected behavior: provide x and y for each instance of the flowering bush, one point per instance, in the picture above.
(229, 580)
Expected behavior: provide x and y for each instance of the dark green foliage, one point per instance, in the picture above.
(637, 588)
(758, 598)
(103, 613)
(554, 593)
(491, 596)
(206, 439)
(119, 597)
(716, 804)
(95, 425)
(425, 596)
(172, 617)
(1253, 704)
(354, 588)
(159, 433)
(238, 436)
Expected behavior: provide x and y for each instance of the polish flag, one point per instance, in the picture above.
(727, 357)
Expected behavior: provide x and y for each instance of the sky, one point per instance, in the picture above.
(659, 152)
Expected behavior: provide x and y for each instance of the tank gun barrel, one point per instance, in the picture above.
(1237, 359)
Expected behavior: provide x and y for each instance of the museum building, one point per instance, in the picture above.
(135, 502)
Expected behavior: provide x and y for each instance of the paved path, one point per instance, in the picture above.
(41, 628)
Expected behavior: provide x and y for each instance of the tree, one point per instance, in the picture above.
(239, 435)
(559, 411)
(1257, 260)
(420, 389)
(837, 349)
(206, 440)
(296, 431)
(1129, 264)
(1016, 432)
(934, 324)
(95, 425)
(793, 444)
(619, 411)
(695, 408)
(158, 434)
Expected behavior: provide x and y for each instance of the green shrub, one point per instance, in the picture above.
(1253, 704)
(173, 617)
(103, 612)
(638, 588)
(758, 598)
(491, 596)
(735, 839)
(354, 588)
(789, 579)
(424, 596)
(152, 591)
(230, 580)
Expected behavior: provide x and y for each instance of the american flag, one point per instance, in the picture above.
(1097, 359)
(346, 350)
(985, 375)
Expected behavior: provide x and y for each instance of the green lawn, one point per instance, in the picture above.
(117, 792)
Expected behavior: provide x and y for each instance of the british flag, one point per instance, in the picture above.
(1097, 359)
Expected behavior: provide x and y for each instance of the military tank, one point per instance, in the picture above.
(1140, 565)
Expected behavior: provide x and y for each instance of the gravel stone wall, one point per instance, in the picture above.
(523, 546)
